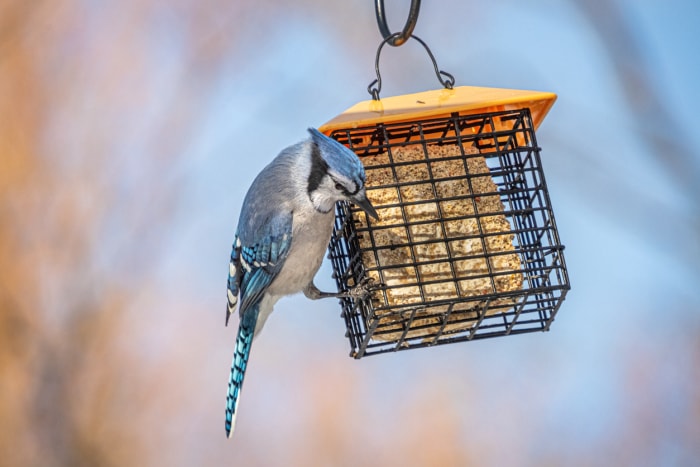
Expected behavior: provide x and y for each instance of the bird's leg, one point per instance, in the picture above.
(312, 292)
(360, 291)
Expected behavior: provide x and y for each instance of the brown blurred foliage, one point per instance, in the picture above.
(69, 203)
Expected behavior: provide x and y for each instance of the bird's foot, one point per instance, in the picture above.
(363, 290)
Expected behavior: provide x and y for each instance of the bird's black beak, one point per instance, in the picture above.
(361, 200)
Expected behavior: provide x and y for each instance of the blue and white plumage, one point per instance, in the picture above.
(283, 232)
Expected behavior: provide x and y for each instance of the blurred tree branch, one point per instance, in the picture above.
(657, 125)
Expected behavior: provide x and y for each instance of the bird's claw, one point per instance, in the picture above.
(363, 289)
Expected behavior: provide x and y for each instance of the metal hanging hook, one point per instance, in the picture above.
(375, 86)
(396, 39)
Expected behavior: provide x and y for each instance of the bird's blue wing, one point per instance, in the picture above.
(254, 265)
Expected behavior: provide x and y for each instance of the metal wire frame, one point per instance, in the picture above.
(375, 87)
(507, 142)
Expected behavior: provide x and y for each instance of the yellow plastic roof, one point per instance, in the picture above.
(442, 102)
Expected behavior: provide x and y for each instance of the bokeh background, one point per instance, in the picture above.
(129, 133)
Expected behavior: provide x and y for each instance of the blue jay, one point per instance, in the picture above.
(283, 231)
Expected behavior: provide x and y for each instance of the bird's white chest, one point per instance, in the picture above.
(311, 231)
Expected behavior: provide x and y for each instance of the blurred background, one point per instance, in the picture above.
(130, 131)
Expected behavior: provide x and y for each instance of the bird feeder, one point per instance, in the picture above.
(466, 245)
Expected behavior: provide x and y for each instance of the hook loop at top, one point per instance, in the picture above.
(396, 39)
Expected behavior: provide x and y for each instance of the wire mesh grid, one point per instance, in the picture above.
(466, 246)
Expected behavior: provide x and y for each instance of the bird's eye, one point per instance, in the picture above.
(339, 187)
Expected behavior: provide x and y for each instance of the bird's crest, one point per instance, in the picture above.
(338, 157)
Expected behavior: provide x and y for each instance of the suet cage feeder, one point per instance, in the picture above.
(466, 246)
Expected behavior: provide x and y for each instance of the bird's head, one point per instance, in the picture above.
(336, 175)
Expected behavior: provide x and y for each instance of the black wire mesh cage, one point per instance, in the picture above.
(466, 245)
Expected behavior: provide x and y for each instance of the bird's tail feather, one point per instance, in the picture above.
(244, 341)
